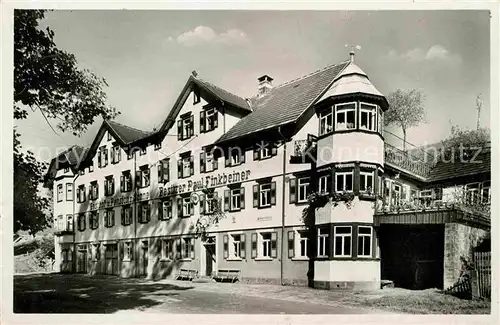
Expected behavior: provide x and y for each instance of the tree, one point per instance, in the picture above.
(30, 208)
(466, 138)
(406, 110)
(48, 79)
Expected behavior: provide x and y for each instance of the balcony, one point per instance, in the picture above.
(464, 210)
(408, 162)
(302, 152)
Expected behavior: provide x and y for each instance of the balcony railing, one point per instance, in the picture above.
(471, 206)
(408, 161)
(302, 153)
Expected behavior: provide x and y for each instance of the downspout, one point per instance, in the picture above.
(283, 253)
(74, 230)
(135, 215)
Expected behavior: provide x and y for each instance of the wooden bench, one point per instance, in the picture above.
(186, 274)
(231, 275)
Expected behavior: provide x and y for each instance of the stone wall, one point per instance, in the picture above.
(459, 241)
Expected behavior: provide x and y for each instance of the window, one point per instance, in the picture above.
(91, 168)
(364, 241)
(264, 195)
(144, 212)
(208, 119)
(66, 169)
(80, 194)
(127, 251)
(126, 216)
(345, 116)
(208, 162)
(130, 154)
(266, 244)
(109, 186)
(126, 181)
(142, 152)
(486, 192)
(115, 154)
(196, 96)
(110, 137)
(164, 170)
(368, 117)
(185, 127)
(264, 149)
(396, 193)
(82, 172)
(342, 241)
(69, 222)
(102, 157)
(303, 189)
(157, 146)
(165, 209)
(366, 182)
(322, 242)
(380, 121)
(185, 165)
(185, 207)
(94, 220)
(143, 176)
(472, 193)
(187, 248)
(236, 246)
(324, 184)
(235, 157)
(303, 240)
(234, 199)
(326, 122)
(167, 249)
(210, 203)
(109, 218)
(343, 182)
(81, 222)
(94, 190)
(59, 192)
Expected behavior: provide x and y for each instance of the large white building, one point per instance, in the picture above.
(125, 205)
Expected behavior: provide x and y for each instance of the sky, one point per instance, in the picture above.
(147, 56)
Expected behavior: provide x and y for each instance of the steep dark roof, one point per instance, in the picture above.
(70, 157)
(224, 94)
(462, 167)
(126, 133)
(285, 103)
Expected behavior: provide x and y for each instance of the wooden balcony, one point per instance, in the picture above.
(434, 212)
(408, 162)
(303, 151)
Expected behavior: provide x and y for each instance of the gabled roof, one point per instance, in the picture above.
(70, 157)
(445, 170)
(224, 95)
(126, 133)
(209, 88)
(285, 103)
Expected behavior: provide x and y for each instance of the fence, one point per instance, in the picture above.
(482, 266)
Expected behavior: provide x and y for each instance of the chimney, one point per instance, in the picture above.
(265, 85)
(351, 54)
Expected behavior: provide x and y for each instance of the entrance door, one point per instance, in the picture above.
(210, 259)
(111, 259)
(144, 258)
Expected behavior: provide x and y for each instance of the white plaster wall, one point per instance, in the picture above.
(352, 146)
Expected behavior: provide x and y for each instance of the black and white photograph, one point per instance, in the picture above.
(250, 161)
